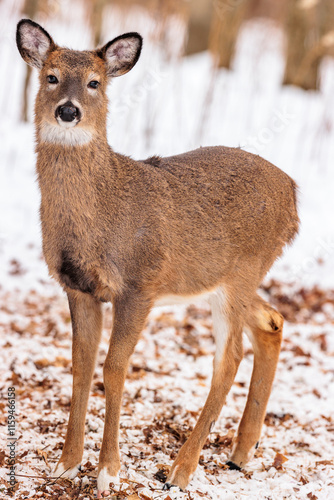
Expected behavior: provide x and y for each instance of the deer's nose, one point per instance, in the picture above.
(67, 112)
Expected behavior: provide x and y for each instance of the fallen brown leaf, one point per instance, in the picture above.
(311, 496)
(324, 462)
(162, 473)
(42, 363)
(61, 361)
(279, 461)
(144, 497)
(44, 456)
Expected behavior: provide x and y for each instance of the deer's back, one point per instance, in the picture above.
(239, 192)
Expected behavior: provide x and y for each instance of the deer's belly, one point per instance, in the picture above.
(170, 300)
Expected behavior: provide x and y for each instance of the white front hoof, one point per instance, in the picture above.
(104, 479)
(60, 471)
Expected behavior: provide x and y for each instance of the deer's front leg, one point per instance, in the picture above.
(130, 313)
(86, 315)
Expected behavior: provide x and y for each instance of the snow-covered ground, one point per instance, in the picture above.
(166, 387)
(167, 106)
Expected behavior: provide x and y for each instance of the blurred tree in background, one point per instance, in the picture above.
(215, 25)
(30, 9)
(199, 15)
(310, 30)
(303, 35)
(97, 8)
(225, 25)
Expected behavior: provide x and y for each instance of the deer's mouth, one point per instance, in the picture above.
(64, 124)
(65, 134)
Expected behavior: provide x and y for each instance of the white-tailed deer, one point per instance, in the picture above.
(209, 222)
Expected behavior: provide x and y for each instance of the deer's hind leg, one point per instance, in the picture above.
(264, 327)
(228, 325)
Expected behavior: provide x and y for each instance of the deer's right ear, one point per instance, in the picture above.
(121, 54)
(33, 42)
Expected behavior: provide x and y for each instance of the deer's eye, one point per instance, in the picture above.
(52, 79)
(93, 84)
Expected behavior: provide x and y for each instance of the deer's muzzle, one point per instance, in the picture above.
(68, 112)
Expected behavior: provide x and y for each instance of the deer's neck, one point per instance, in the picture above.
(71, 178)
(71, 164)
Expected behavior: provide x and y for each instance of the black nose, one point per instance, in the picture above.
(67, 112)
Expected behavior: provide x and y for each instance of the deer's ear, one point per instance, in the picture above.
(33, 42)
(121, 54)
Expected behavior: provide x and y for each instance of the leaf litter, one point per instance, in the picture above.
(168, 380)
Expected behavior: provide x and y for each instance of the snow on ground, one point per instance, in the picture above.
(166, 107)
(166, 387)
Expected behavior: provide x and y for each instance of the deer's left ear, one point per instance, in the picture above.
(121, 54)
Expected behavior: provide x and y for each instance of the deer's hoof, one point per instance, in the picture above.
(102, 494)
(103, 482)
(233, 466)
(66, 472)
(168, 486)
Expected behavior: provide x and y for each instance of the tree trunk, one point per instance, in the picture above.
(303, 49)
(200, 14)
(98, 7)
(272, 9)
(227, 18)
(327, 26)
(29, 9)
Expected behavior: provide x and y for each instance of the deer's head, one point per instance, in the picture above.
(71, 104)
